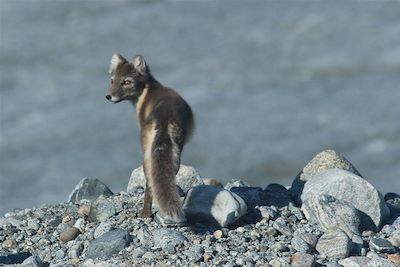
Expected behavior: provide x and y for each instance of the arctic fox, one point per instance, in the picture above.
(165, 122)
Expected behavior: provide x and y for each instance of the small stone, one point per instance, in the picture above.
(76, 251)
(168, 240)
(335, 244)
(213, 182)
(69, 234)
(186, 178)
(84, 210)
(303, 242)
(108, 244)
(10, 244)
(381, 245)
(195, 253)
(268, 213)
(218, 234)
(211, 205)
(300, 259)
(275, 263)
(331, 213)
(59, 254)
(101, 209)
(101, 229)
(90, 189)
(281, 226)
(354, 261)
(207, 257)
(395, 258)
(138, 252)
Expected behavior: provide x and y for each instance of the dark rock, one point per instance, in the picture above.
(331, 213)
(14, 258)
(327, 159)
(101, 209)
(354, 190)
(334, 244)
(381, 245)
(300, 259)
(169, 240)
(186, 178)
(393, 202)
(253, 196)
(277, 195)
(211, 205)
(108, 244)
(90, 189)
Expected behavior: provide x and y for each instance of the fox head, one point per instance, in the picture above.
(128, 78)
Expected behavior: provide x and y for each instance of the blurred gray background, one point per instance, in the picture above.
(271, 83)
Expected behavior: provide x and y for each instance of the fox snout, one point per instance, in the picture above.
(113, 99)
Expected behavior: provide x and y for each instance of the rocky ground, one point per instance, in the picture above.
(330, 216)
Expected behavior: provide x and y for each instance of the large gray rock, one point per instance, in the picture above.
(90, 189)
(331, 213)
(300, 259)
(186, 178)
(212, 205)
(353, 189)
(327, 159)
(169, 240)
(334, 244)
(381, 245)
(380, 262)
(108, 244)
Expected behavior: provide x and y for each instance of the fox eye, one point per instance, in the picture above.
(127, 82)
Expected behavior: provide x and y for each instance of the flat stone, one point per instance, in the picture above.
(108, 244)
(334, 244)
(303, 242)
(381, 245)
(169, 240)
(90, 189)
(281, 226)
(354, 261)
(300, 259)
(330, 213)
(348, 187)
(9, 244)
(327, 159)
(186, 178)
(211, 205)
(101, 209)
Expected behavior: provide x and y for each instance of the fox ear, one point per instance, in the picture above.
(116, 59)
(140, 65)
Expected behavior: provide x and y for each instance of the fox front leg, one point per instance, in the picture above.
(147, 203)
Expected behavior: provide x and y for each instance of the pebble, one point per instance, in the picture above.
(101, 229)
(169, 240)
(69, 234)
(354, 261)
(10, 244)
(300, 259)
(218, 234)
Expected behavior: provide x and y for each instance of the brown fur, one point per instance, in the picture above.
(165, 121)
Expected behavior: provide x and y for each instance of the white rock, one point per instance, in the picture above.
(212, 205)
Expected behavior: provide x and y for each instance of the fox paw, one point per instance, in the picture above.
(145, 214)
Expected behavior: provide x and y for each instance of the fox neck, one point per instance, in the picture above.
(143, 101)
